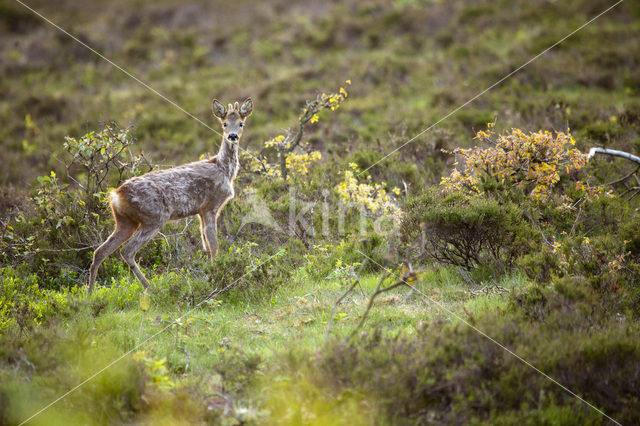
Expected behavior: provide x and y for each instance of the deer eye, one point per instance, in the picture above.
(224, 124)
(241, 124)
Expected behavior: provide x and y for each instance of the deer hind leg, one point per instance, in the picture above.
(203, 233)
(125, 228)
(128, 252)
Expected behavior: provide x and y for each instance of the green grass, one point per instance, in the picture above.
(196, 342)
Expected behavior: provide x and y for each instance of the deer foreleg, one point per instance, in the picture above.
(211, 233)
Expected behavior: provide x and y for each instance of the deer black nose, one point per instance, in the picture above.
(233, 136)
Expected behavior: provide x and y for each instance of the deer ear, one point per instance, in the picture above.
(218, 109)
(246, 108)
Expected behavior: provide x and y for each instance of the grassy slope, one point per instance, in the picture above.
(410, 63)
(293, 323)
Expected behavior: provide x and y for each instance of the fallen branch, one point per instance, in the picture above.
(625, 177)
(634, 190)
(489, 289)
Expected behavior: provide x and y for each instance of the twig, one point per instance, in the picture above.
(186, 367)
(335, 306)
(372, 298)
(354, 281)
(209, 296)
(635, 194)
(313, 293)
(622, 179)
(575, 222)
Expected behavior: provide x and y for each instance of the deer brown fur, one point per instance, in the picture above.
(142, 205)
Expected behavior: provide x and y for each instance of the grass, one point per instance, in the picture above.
(196, 343)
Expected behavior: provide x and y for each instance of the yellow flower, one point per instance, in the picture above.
(145, 301)
(140, 355)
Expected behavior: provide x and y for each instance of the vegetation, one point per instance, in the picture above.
(489, 236)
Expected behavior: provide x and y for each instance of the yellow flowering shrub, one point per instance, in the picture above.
(372, 196)
(277, 142)
(254, 163)
(297, 164)
(533, 161)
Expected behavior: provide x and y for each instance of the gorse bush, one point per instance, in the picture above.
(287, 161)
(369, 195)
(532, 163)
(520, 202)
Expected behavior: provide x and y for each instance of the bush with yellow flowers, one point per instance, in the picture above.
(532, 162)
(370, 195)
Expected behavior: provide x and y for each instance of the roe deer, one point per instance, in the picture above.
(143, 204)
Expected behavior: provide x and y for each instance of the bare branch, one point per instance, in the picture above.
(335, 306)
(624, 178)
(372, 298)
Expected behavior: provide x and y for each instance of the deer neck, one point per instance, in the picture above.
(228, 158)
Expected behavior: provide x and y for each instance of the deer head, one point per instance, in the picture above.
(232, 118)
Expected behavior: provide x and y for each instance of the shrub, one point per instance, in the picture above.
(368, 195)
(602, 260)
(449, 373)
(23, 305)
(532, 163)
(243, 271)
(325, 261)
(467, 231)
(68, 219)
(287, 160)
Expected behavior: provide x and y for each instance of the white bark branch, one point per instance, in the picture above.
(613, 152)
